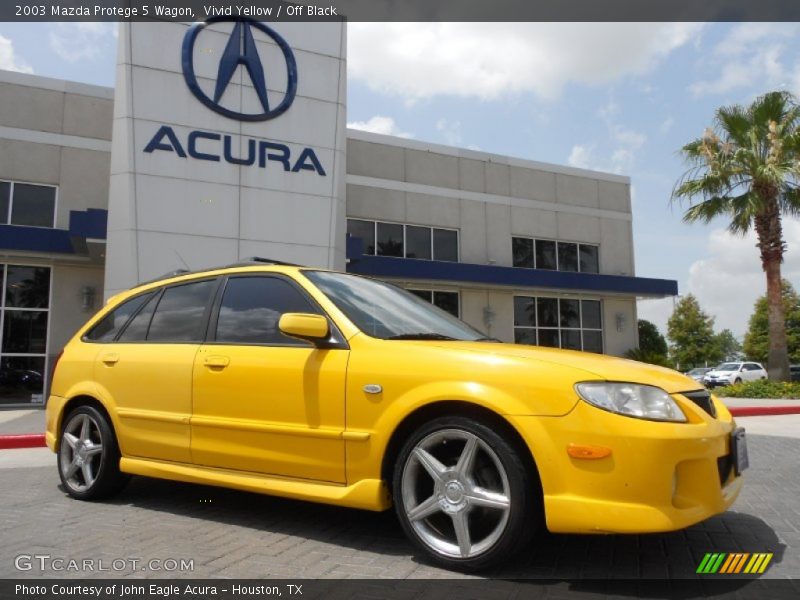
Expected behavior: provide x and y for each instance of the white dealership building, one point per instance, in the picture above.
(228, 139)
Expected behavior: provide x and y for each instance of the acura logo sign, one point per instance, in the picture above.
(241, 49)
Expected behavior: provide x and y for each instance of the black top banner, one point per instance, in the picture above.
(404, 10)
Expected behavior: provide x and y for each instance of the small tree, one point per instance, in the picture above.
(650, 339)
(756, 340)
(652, 345)
(728, 346)
(691, 334)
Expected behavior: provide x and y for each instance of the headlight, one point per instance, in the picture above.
(631, 399)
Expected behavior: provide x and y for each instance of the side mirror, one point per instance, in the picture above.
(312, 328)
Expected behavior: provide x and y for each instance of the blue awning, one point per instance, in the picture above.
(456, 272)
(83, 225)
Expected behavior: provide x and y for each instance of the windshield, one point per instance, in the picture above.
(728, 367)
(385, 311)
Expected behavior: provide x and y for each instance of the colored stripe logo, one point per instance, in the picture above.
(734, 562)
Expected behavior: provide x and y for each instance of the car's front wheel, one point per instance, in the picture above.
(464, 495)
(88, 455)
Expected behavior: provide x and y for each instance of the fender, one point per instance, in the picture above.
(84, 388)
(364, 458)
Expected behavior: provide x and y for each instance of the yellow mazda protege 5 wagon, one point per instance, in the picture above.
(335, 388)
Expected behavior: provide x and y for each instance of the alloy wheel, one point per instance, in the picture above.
(455, 493)
(81, 452)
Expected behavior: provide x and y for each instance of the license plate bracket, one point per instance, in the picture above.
(741, 460)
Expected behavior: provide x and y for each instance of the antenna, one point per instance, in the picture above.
(180, 258)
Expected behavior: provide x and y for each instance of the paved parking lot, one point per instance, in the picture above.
(233, 534)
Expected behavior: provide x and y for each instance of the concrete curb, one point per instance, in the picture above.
(763, 411)
(36, 440)
(26, 440)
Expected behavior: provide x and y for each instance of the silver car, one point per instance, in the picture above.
(731, 373)
(698, 373)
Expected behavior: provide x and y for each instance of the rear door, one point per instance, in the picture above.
(753, 372)
(147, 372)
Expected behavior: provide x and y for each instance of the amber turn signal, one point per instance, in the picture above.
(585, 451)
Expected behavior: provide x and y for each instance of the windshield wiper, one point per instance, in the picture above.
(489, 339)
(422, 335)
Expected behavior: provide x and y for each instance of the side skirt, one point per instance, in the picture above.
(368, 494)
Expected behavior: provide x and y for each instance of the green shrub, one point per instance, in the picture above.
(762, 388)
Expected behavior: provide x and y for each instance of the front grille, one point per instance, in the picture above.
(724, 464)
(703, 399)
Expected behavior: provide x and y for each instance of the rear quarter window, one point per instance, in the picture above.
(108, 327)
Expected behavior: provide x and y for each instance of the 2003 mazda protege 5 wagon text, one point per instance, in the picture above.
(330, 387)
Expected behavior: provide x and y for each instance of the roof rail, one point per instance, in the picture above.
(245, 262)
(174, 273)
(250, 260)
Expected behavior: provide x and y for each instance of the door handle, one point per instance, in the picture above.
(110, 359)
(217, 362)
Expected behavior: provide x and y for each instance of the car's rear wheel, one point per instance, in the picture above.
(88, 456)
(464, 495)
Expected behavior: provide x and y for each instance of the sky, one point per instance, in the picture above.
(614, 97)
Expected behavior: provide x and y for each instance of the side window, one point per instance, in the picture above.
(251, 308)
(109, 326)
(179, 314)
(136, 331)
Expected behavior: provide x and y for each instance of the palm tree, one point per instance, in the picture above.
(746, 167)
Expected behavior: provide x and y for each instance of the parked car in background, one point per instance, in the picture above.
(731, 373)
(794, 372)
(698, 373)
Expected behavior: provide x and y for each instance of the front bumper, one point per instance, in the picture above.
(712, 383)
(659, 476)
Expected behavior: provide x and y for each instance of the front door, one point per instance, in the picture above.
(264, 402)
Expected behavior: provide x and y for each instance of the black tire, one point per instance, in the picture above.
(524, 513)
(103, 465)
(738, 381)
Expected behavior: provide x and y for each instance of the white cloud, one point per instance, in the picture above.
(729, 280)
(451, 130)
(624, 143)
(750, 55)
(581, 156)
(656, 311)
(81, 41)
(9, 61)
(492, 60)
(666, 125)
(379, 124)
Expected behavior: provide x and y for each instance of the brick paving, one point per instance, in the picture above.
(234, 534)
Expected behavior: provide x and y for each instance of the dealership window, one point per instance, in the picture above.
(405, 241)
(27, 204)
(447, 301)
(569, 323)
(552, 255)
(24, 316)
